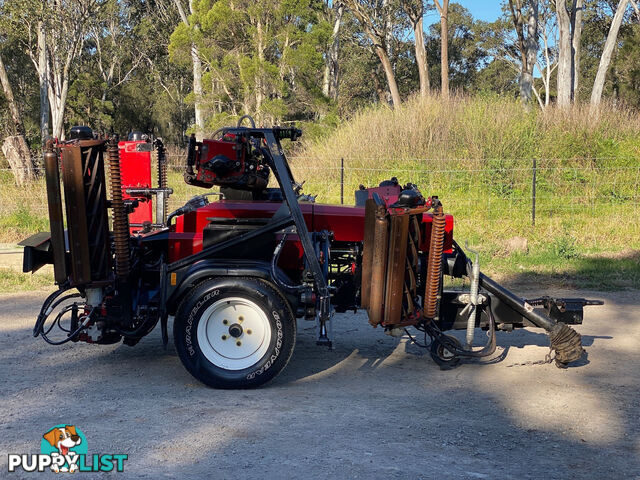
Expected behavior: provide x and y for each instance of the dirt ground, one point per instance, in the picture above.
(375, 407)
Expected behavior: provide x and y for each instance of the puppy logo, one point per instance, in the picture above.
(64, 449)
(64, 443)
(63, 438)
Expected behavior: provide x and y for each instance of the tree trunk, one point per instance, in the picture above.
(325, 76)
(197, 89)
(531, 53)
(334, 55)
(15, 148)
(576, 36)
(43, 75)
(331, 73)
(380, 44)
(17, 153)
(391, 78)
(421, 58)
(260, 94)
(443, 10)
(379, 90)
(546, 78)
(18, 126)
(564, 55)
(605, 59)
(197, 71)
(197, 82)
(58, 89)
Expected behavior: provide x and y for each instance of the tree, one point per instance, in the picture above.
(415, 11)
(111, 37)
(569, 49)
(192, 29)
(15, 147)
(443, 10)
(627, 67)
(260, 58)
(526, 13)
(331, 75)
(466, 55)
(547, 60)
(375, 19)
(576, 38)
(564, 54)
(53, 33)
(605, 59)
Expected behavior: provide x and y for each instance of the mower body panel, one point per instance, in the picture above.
(135, 166)
(345, 222)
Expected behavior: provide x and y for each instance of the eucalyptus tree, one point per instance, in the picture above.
(261, 58)
(376, 19)
(53, 33)
(605, 58)
(443, 10)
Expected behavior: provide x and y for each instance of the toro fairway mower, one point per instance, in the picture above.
(236, 270)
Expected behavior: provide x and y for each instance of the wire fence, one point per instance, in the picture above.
(493, 189)
(535, 187)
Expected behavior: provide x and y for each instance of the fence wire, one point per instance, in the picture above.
(490, 189)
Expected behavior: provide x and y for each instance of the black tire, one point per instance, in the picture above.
(442, 356)
(198, 332)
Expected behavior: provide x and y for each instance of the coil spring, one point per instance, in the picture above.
(162, 172)
(434, 267)
(120, 220)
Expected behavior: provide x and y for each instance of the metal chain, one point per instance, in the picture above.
(548, 358)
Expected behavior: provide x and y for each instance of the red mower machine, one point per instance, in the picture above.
(235, 273)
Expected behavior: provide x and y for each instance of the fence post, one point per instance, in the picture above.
(533, 195)
(342, 181)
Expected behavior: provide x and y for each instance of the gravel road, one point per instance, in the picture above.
(375, 407)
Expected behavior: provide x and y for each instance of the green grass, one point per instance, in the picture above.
(21, 223)
(13, 281)
(547, 269)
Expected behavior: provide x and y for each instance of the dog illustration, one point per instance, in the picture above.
(63, 438)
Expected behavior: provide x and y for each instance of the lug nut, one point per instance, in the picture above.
(224, 337)
(240, 318)
(238, 343)
(225, 321)
(249, 332)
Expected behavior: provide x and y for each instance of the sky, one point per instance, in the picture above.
(488, 10)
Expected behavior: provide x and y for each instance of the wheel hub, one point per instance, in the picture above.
(234, 333)
(235, 330)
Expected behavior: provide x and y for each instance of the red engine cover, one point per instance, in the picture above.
(346, 223)
(135, 167)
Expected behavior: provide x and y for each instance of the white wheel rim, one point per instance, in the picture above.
(218, 325)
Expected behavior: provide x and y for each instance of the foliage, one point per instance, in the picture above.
(261, 58)
(267, 58)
